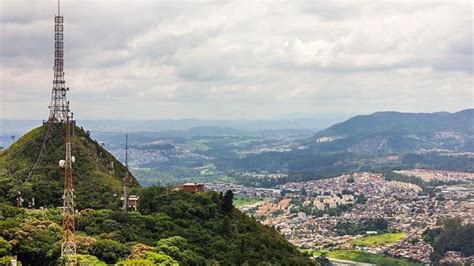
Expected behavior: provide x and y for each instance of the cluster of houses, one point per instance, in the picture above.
(269, 207)
(429, 175)
(401, 204)
(456, 258)
(241, 190)
(264, 175)
(405, 186)
(324, 202)
(410, 247)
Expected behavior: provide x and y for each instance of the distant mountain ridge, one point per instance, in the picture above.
(394, 132)
(213, 131)
(9, 127)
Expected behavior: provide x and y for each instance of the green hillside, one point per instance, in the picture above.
(406, 123)
(378, 142)
(394, 132)
(171, 228)
(364, 257)
(97, 174)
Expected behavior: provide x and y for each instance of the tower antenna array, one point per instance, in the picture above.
(59, 107)
(68, 246)
(59, 113)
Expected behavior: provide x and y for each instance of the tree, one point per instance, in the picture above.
(453, 236)
(361, 199)
(323, 259)
(346, 192)
(429, 235)
(139, 250)
(304, 192)
(380, 224)
(109, 250)
(81, 260)
(7, 261)
(36, 241)
(136, 262)
(160, 259)
(5, 247)
(226, 226)
(452, 225)
(227, 203)
(177, 248)
(84, 243)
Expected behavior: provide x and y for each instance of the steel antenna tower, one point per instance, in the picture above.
(68, 247)
(59, 107)
(126, 178)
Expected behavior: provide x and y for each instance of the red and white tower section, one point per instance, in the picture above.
(68, 245)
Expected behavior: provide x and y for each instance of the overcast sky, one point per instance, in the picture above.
(237, 59)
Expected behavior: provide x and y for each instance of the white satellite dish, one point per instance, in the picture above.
(62, 163)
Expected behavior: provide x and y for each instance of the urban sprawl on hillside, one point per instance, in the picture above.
(314, 214)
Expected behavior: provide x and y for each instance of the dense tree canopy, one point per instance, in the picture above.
(5, 247)
(353, 228)
(452, 236)
(171, 227)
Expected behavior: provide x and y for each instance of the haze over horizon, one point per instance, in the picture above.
(234, 60)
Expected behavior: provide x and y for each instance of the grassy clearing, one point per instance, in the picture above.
(239, 202)
(378, 240)
(360, 256)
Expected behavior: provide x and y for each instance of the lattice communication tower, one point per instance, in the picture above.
(68, 246)
(59, 107)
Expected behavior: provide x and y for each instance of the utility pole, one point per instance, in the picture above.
(59, 107)
(126, 178)
(68, 246)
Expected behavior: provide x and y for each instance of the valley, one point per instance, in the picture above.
(246, 133)
(266, 158)
(368, 194)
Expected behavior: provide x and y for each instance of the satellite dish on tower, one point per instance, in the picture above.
(62, 163)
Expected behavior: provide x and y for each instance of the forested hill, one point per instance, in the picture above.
(97, 174)
(393, 132)
(170, 228)
(408, 123)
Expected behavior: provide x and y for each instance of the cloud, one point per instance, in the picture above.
(236, 59)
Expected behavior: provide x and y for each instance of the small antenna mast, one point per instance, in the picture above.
(126, 150)
(126, 178)
(59, 13)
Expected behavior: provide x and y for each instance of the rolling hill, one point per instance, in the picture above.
(97, 174)
(213, 131)
(380, 142)
(394, 132)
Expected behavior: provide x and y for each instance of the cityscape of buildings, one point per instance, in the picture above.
(308, 213)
